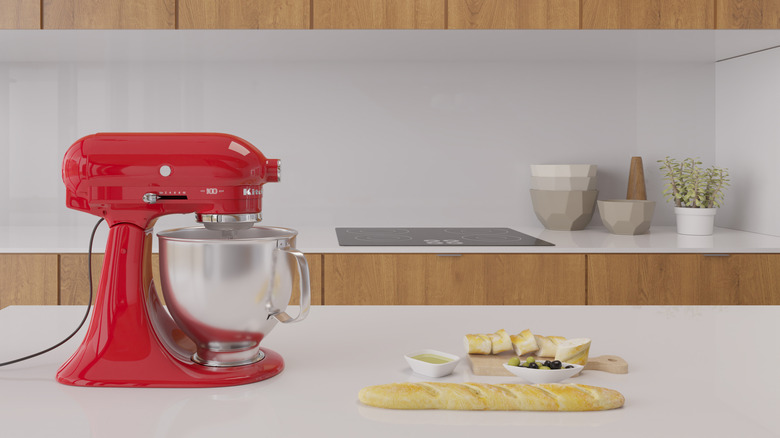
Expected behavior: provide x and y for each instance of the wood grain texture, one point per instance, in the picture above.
(468, 279)
(244, 14)
(20, 14)
(315, 280)
(109, 14)
(379, 14)
(683, 279)
(636, 180)
(513, 14)
(648, 14)
(74, 281)
(748, 14)
(28, 279)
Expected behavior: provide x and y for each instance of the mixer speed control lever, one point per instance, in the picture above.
(151, 198)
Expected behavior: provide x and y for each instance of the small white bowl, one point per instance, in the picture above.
(431, 369)
(576, 170)
(544, 376)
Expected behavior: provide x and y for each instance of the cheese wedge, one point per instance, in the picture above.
(501, 341)
(573, 351)
(524, 342)
(548, 345)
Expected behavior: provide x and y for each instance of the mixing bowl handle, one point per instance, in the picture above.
(304, 286)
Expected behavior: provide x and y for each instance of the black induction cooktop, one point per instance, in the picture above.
(436, 237)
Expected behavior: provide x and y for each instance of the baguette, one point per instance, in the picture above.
(481, 396)
(501, 341)
(524, 342)
(478, 344)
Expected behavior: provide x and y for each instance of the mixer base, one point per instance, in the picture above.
(174, 374)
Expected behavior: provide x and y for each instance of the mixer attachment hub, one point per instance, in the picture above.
(229, 222)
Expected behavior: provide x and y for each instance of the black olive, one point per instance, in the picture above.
(546, 363)
(556, 364)
(569, 366)
(533, 365)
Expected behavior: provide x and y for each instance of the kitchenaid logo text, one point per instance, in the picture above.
(250, 192)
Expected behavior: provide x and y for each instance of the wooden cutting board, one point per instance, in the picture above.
(493, 364)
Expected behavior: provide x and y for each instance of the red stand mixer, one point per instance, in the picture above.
(131, 179)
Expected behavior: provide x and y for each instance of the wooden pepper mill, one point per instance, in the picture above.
(636, 180)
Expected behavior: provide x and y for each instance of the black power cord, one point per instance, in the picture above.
(86, 314)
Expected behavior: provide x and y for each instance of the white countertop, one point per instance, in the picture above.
(322, 239)
(693, 372)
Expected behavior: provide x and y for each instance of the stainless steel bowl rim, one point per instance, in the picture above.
(284, 233)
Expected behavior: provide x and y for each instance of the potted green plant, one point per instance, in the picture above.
(696, 193)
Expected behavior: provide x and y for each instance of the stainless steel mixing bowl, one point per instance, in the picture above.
(227, 289)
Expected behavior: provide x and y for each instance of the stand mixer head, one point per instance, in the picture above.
(131, 179)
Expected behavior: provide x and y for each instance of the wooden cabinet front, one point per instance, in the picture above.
(74, 281)
(378, 14)
(244, 14)
(28, 279)
(109, 14)
(683, 279)
(748, 14)
(20, 14)
(468, 279)
(648, 14)
(513, 14)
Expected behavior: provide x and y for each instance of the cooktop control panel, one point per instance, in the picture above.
(436, 237)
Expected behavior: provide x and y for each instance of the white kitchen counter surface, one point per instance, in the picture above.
(322, 239)
(693, 372)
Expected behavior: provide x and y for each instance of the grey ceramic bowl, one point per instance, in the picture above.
(563, 182)
(564, 210)
(626, 216)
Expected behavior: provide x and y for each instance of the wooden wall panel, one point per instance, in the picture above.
(379, 14)
(27, 279)
(244, 14)
(513, 14)
(648, 14)
(109, 14)
(20, 14)
(468, 279)
(748, 14)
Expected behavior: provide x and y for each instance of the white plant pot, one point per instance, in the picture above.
(695, 221)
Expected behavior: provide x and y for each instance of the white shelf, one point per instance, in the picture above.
(381, 45)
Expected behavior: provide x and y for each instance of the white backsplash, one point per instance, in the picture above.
(366, 142)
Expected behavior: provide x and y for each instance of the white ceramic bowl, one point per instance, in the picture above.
(568, 170)
(544, 376)
(563, 182)
(431, 369)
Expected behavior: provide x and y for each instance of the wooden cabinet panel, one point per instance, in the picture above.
(20, 14)
(28, 279)
(244, 14)
(471, 279)
(683, 279)
(513, 14)
(109, 14)
(74, 283)
(315, 280)
(648, 14)
(379, 14)
(748, 14)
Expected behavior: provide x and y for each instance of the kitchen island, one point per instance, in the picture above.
(693, 371)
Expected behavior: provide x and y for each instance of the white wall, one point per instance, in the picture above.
(367, 142)
(748, 140)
